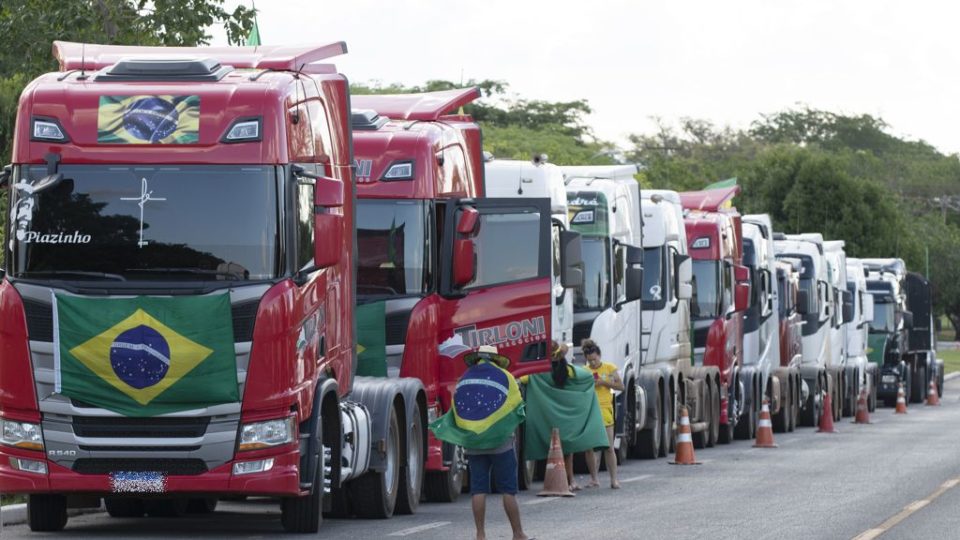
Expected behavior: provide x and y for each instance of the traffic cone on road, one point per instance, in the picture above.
(684, 454)
(901, 401)
(863, 413)
(826, 416)
(555, 480)
(765, 428)
(933, 396)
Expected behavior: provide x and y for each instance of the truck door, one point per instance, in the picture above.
(495, 284)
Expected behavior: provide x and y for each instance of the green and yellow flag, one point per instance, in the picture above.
(156, 119)
(372, 339)
(145, 356)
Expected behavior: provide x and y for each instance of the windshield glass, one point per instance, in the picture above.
(170, 223)
(654, 280)
(595, 293)
(706, 300)
(394, 248)
(883, 318)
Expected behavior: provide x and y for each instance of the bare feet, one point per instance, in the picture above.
(575, 487)
(593, 484)
(614, 485)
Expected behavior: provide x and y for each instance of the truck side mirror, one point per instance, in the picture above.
(684, 276)
(803, 302)
(847, 307)
(634, 274)
(328, 230)
(741, 274)
(867, 308)
(908, 319)
(464, 262)
(571, 260)
(741, 296)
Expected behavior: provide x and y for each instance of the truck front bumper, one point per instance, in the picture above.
(283, 479)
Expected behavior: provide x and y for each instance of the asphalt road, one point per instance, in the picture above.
(894, 478)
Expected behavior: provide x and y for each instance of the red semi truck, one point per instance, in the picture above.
(419, 177)
(721, 293)
(179, 175)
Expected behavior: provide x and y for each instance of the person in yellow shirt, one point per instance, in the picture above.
(606, 380)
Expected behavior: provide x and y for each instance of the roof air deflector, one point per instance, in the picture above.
(164, 69)
(367, 120)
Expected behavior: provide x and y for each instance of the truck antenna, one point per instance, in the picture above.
(83, 61)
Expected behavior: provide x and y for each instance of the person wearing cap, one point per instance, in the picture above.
(487, 409)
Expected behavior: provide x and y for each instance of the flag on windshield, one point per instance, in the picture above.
(145, 356)
(371, 339)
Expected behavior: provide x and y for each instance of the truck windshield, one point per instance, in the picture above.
(706, 300)
(595, 293)
(883, 318)
(395, 247)
(654, 281)
(163, 222)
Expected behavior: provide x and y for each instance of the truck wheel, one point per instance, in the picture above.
(305, 514)
(940, 382)
(746, 425)
(781, 422)
(165, 508)
(872, 397)
(811, 409)
(46, 513)
(446, 486)
(374, 494)
(702, 438)
(411, 481)
(120, 507)
(648, 441)
(629, 440)
(714, 415)
(666, 438)
(725, 435)
(920, 383)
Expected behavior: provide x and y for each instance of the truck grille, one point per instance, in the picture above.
(396, 327)
(119, 427)
(581, 331)
(40, 320)
(700, 337)
(170, 467)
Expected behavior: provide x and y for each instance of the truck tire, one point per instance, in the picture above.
(46, 513)
(305, 514)
(446, 486)
(374, 495)
(811, 409)
(747, 424)
(920, 383)
(872, 396)
(702, 438)
(411, 478)
(781, 421)
(648, 440)
(940, 382)
(122, 507)
(666, 437)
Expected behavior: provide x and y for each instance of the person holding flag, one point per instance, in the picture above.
(487, 409)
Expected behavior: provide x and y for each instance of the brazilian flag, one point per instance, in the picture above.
(487, 408)
(145, 356)
(372, 340)
(153, 119)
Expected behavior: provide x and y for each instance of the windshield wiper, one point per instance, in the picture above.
(78, 273)
(187, 270)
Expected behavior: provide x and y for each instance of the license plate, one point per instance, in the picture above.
(138, 482)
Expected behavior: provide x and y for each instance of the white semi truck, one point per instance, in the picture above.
(858, 331)
(845, 400)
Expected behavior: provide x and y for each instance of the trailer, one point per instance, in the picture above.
(921, 353)
(153, 180)
(421, 204)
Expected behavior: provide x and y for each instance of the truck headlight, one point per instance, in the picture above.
(257, 435)
(21, 435)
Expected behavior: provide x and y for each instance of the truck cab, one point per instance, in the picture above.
(888, 338)
(761, 338)
(858, 331)
(667, 350)
(817, 318)
(152, 180)
(849, 386)
(793, 304)
(444, 268)
(721, 291)
(539, 179)
(605, 209)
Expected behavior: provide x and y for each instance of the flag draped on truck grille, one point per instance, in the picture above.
(487, 408)
(145, 356)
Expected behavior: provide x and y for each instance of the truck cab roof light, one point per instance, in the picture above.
(401, 170)
(243, 130)
(47, 129)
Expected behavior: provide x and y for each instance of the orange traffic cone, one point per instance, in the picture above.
(901, 401)
(684, 454)
(826, 416)
(765, 428)
(933, 396)
(863, 411)
(555, 481)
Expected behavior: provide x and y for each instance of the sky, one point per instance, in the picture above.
(726, 62)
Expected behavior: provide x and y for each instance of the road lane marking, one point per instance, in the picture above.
(420, 528)
(907, 511)
(635, 478)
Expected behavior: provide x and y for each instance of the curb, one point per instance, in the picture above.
(951, 376)
(16, 514)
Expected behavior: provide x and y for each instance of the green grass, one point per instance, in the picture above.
(11, 499)
(951, 360)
